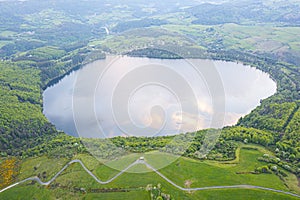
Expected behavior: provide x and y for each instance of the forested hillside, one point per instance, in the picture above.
(22, 123)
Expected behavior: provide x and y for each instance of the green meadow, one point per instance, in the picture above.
(185, 172)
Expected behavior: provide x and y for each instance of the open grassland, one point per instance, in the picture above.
(262, 39)
(237, 194)
(185, 172)
(265, 38)
(37, 192)
(42, 166)
(212, 173)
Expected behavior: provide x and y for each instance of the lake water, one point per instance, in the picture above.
(124, 96)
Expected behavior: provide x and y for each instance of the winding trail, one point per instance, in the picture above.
(139, 161)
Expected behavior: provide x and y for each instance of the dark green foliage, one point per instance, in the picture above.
(21, 119)
(124, 26)
(22, 45)
(264, 169)
(284, 120)
(154, 53)
(250, 134)
(273, 116)
(141, 144)
(283, 164)
(57, 146)
(169, 51)
(290, 142)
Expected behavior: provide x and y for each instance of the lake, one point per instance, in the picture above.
(125, 96)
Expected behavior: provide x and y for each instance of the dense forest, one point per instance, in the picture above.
(21, 120)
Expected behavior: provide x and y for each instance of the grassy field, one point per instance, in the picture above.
(237, 194)
(141, 38)
(34, 166)
(185, 172)
(256, 38)
(265, 38)
(37, 192)
(203, 174)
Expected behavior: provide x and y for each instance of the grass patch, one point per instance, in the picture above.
(197, 173)
(34, 166)
(237, 194)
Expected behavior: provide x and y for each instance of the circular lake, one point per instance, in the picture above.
(125, 96)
